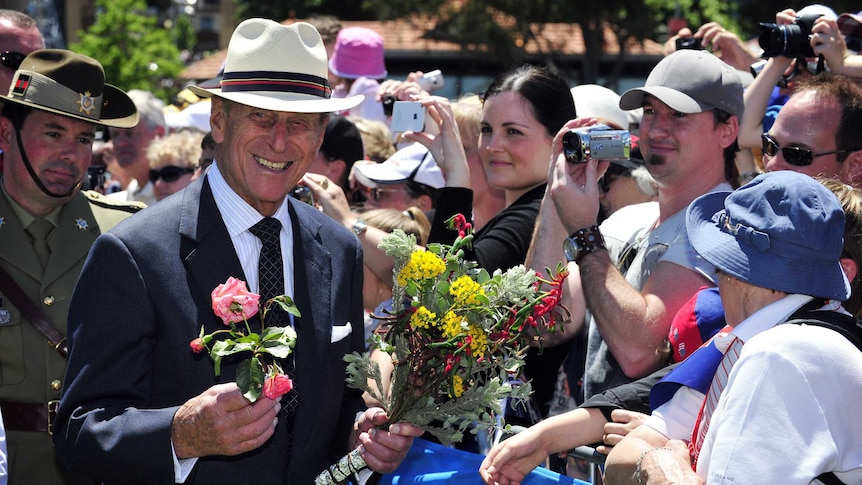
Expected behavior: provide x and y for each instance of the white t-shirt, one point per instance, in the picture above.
(790, 410)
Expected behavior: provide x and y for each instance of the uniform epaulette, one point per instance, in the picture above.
(130, 206)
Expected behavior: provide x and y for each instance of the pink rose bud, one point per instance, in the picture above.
(197, 345)
(277, 385)
(232, 302)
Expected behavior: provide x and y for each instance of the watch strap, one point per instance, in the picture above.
(589, 240)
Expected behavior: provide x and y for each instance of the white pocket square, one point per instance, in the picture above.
(340, 331)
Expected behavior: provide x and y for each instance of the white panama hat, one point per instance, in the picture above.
(279, 68)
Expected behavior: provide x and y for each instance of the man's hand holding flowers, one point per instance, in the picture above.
(232, 418)
(383, 449)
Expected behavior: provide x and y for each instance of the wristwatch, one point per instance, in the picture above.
(359, 226)
(582, 242)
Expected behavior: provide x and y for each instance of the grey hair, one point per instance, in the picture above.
(150, 108)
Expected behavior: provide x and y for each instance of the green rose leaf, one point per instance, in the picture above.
(249, 378)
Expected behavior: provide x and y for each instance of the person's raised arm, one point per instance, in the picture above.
(633, 323)
(546, 246)
(827, 41)
(726, 45)
(446, 147)
(334, 203)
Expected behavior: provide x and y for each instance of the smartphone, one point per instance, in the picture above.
(408, 116)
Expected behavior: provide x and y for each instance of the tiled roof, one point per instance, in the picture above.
(406, 38)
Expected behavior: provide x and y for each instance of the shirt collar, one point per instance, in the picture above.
(238, 215)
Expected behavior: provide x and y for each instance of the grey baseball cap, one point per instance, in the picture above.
(690, 81)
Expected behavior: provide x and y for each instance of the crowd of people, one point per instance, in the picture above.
(737, 209)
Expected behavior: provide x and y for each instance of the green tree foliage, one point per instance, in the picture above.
(134, 50)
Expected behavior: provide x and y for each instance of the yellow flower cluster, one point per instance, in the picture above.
(422, 265)
(457, 386)
(479, 343)
(464, 289)
(422, 318)
(451, 325)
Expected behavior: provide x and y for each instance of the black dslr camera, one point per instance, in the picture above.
(793, 40)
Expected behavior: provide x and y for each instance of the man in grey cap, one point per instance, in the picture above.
(639, 268)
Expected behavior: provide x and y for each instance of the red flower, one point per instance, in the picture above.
(459, 223)
(277, 385)
(197, 345)
(451, 361)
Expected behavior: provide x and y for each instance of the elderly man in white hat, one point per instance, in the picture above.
(139, 404)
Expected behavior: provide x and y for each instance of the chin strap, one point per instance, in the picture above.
(33, 172)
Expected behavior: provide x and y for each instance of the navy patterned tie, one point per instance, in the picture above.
(271, 284)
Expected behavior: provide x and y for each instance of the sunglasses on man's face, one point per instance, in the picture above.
(12, 60)
(800, 157)
(170, 173)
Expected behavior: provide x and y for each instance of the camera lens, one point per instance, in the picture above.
(793, 40)
(573, 147)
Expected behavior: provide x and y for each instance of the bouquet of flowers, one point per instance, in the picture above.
(456, 335)
(233, 303)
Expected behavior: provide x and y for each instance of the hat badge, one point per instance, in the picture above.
(87, 103)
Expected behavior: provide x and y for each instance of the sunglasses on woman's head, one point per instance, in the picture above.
(170, 173)
(800, 157)
(12, 60)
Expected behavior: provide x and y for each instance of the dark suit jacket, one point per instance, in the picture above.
(142, 297)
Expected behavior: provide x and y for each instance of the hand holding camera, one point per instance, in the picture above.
(788, 40)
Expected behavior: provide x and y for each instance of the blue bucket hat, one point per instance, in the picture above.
(783, 231)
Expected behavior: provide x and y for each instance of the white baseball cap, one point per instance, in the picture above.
(412, 163)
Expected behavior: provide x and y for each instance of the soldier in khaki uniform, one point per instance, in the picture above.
(47, 129)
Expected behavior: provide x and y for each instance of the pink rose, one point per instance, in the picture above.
(197, 345)
(277, 385)
(232, 302)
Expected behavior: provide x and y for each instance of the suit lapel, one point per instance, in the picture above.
(204, 240)
(313, 297)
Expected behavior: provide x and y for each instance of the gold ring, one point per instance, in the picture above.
(324, 183)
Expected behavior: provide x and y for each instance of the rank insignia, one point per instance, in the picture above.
(82, 224)
(87, 103)
(5, 317)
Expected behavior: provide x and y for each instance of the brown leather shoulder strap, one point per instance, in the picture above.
(32, 313)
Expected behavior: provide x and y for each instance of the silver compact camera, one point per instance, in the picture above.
(598, 142)
(431, 81)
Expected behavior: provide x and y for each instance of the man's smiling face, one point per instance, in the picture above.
(262, 154)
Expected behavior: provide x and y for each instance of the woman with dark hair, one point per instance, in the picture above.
(522, 111)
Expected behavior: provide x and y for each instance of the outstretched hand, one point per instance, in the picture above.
(510, 461)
